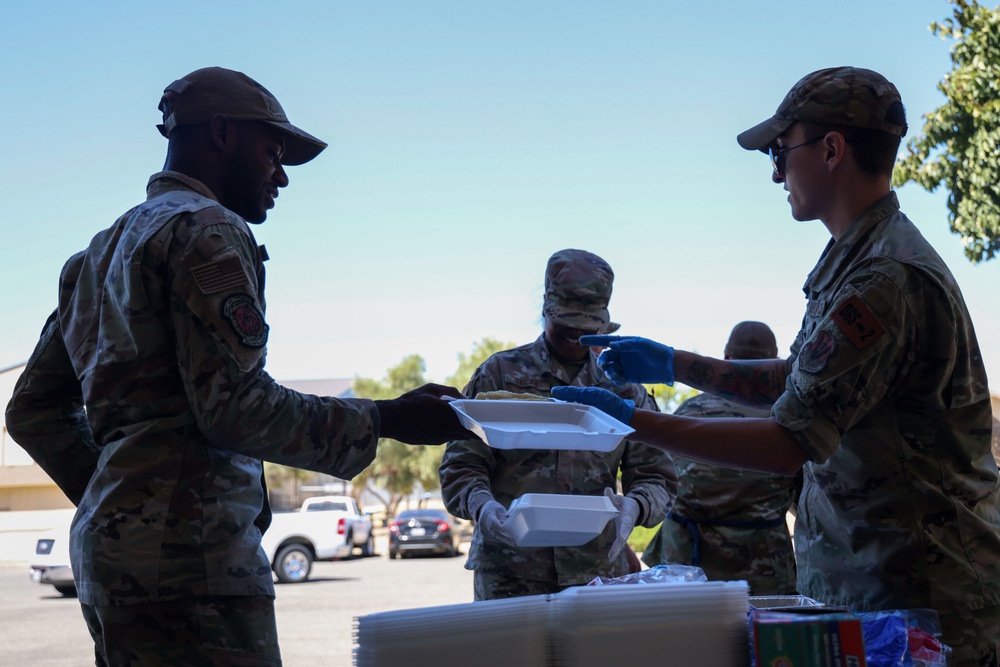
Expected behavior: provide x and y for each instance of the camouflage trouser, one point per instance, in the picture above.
(974, 636)
(209, 631)
(497, 585)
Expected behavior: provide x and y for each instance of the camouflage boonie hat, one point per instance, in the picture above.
(848, 96)
(206, 92)
(577, 290)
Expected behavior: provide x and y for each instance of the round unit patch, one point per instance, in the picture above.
(246, 319)
(814, 355)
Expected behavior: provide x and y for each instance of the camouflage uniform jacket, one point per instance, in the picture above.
(147, 402)
(471, 472)
(731, 521)
(887, 394)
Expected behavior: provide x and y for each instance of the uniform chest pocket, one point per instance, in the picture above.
(815, 311)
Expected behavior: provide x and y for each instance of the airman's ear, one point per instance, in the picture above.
(220, 131)
(834, 149)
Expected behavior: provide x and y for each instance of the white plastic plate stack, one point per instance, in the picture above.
(547, 424)
(491, 633)
(699, 623)
(681, 625)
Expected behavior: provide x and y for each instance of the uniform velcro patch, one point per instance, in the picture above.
(220, 275)
(813, 356)
(246, 319)
(857, 322)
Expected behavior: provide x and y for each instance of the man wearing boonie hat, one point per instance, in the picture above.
(884, 398)
(479, 483)
(147, 402)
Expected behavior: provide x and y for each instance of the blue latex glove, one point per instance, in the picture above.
(628, 512)
(602, 399)
(633, 359)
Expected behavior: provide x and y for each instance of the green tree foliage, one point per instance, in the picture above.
(468, 363)
(668, 398)
(398, 468)
(640, 537)
(279, 477)
(958, 144)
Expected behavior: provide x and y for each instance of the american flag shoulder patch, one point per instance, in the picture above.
(219, 275)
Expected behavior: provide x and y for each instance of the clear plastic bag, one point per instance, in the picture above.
(670, 573)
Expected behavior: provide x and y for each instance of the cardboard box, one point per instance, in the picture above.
(810, 639)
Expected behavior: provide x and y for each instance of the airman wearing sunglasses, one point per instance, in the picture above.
(884, 399)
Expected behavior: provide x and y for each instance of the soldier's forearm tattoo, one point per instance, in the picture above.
(749, 384)
(701, 373)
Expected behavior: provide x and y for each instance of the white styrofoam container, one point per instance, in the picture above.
(550, 424)
(558, 520)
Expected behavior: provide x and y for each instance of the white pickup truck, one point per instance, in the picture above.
(324, 528)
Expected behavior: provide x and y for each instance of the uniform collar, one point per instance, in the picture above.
(165, 181)
(841, 252)
(589, 374)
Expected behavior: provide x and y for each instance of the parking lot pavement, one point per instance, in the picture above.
(38, 627)
(315, 618)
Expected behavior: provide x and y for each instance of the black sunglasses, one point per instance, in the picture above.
(777, 155)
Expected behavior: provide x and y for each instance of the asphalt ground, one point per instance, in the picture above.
(39, 627)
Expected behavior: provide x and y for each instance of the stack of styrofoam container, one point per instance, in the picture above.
(701, 623)
(491, 633)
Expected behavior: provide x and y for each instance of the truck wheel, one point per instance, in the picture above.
(69, 591)
(369, 548)
(349, 540)
(293, 564)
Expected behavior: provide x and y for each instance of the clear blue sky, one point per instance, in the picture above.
(468, 141)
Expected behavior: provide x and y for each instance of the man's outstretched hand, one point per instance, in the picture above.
(423, 416)
(602, 399)
(633, 359)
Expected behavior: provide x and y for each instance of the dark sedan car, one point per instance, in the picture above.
(426, 531)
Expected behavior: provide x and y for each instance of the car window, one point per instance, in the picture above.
(327, 507)
(436, 515)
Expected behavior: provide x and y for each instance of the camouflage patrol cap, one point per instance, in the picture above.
(847, 96)
(751, 340)
(577, 290)
(197, 97)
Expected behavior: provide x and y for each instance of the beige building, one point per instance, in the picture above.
(24, 486)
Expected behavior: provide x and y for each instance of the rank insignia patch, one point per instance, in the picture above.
(814, 355)
(246, 319)
(857, 322)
